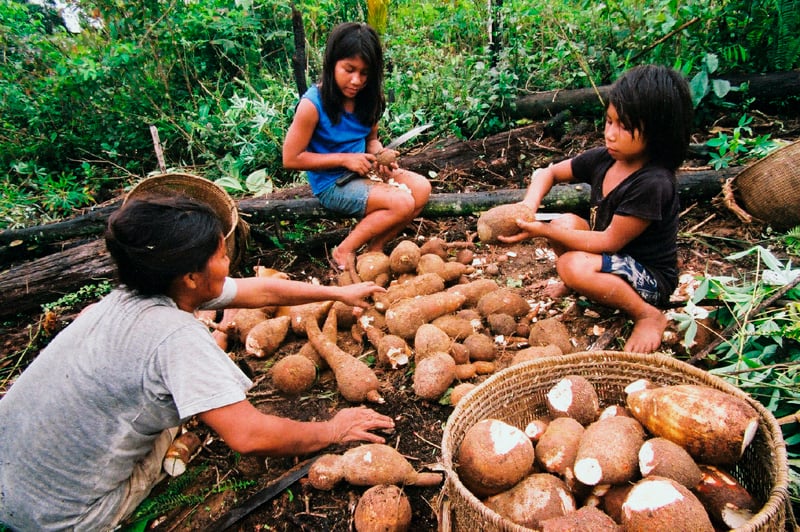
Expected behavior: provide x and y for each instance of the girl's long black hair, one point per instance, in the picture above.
(353, 39)
(656, 101)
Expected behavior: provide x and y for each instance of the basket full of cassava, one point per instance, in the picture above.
(606, 440)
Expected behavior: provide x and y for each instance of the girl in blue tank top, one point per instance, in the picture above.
(335, 132)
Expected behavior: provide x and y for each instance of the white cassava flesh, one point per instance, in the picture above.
(657, 504)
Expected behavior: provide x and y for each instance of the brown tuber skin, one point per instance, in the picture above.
(460, 391)
(404, 317)
(493, 457)
(558, 446)
(266, 337)
(502, 221)
(294, 374)
(371, 265)
(356, 381)
(587, 518)
(536, 498)
(609, 451)
(416, 286)
(663, 458)
(434, 375)
(480, 347)
(551, 331)
(574, 396)
(713, 426)
(657, 504)
(503, 300)
(727, 502)
(404, 258)
(383, 508)
(430, 339)
(368, 465)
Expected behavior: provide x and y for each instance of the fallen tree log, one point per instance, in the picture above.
(25, 287)
(765, 88)
(694, 185)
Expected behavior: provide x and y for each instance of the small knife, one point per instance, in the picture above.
(405, 137)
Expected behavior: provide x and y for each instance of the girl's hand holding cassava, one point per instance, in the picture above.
(356, 294)
(527, 230)
(360, 163)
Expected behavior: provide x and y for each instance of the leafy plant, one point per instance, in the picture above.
(739, 146)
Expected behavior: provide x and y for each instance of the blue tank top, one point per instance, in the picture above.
(348, 136)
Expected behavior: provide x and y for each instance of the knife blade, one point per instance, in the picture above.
(402, 139)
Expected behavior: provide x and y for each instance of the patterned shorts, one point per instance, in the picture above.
(637, 275)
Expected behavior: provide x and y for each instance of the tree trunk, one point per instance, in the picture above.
(25, 287)
(765, 88)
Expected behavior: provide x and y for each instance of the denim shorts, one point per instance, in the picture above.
(350, 198)
(637, 276)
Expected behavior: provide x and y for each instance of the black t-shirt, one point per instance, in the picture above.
(650, 193)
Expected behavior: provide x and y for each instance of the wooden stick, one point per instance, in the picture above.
(157, 147)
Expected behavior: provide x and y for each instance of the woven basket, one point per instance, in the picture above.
(769, 189)
(516, 395)
(235, 229)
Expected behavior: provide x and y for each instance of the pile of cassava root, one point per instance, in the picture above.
(439, 316)
(656, 463)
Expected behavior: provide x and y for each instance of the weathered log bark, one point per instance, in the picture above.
(25, 287)
(766, 88)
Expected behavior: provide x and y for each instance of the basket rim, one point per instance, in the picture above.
(778, 495)
(178, 178)
(788, 150)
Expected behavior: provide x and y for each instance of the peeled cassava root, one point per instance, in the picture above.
(368, 465)
(180, 452)
(713, 426)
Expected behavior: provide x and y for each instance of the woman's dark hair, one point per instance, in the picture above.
(656, 101)
(154, 240)
(353, 39)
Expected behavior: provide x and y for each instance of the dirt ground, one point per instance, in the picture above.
(709, 231)
(219, 480)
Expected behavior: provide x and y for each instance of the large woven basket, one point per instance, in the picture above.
(516, 395)
(769, 189)
(236, 230)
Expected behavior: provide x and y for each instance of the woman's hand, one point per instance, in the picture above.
(356, 295)
(360, 163)
(354, 424)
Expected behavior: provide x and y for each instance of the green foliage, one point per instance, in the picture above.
(215, 78)
(173, 497)
(740, 146)
(84, 294)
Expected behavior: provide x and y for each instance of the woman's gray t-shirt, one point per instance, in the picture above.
(94, 400)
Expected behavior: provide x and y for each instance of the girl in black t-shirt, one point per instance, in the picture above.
(625, 255)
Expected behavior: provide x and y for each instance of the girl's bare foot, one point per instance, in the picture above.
(647, 333)
(556, 290)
